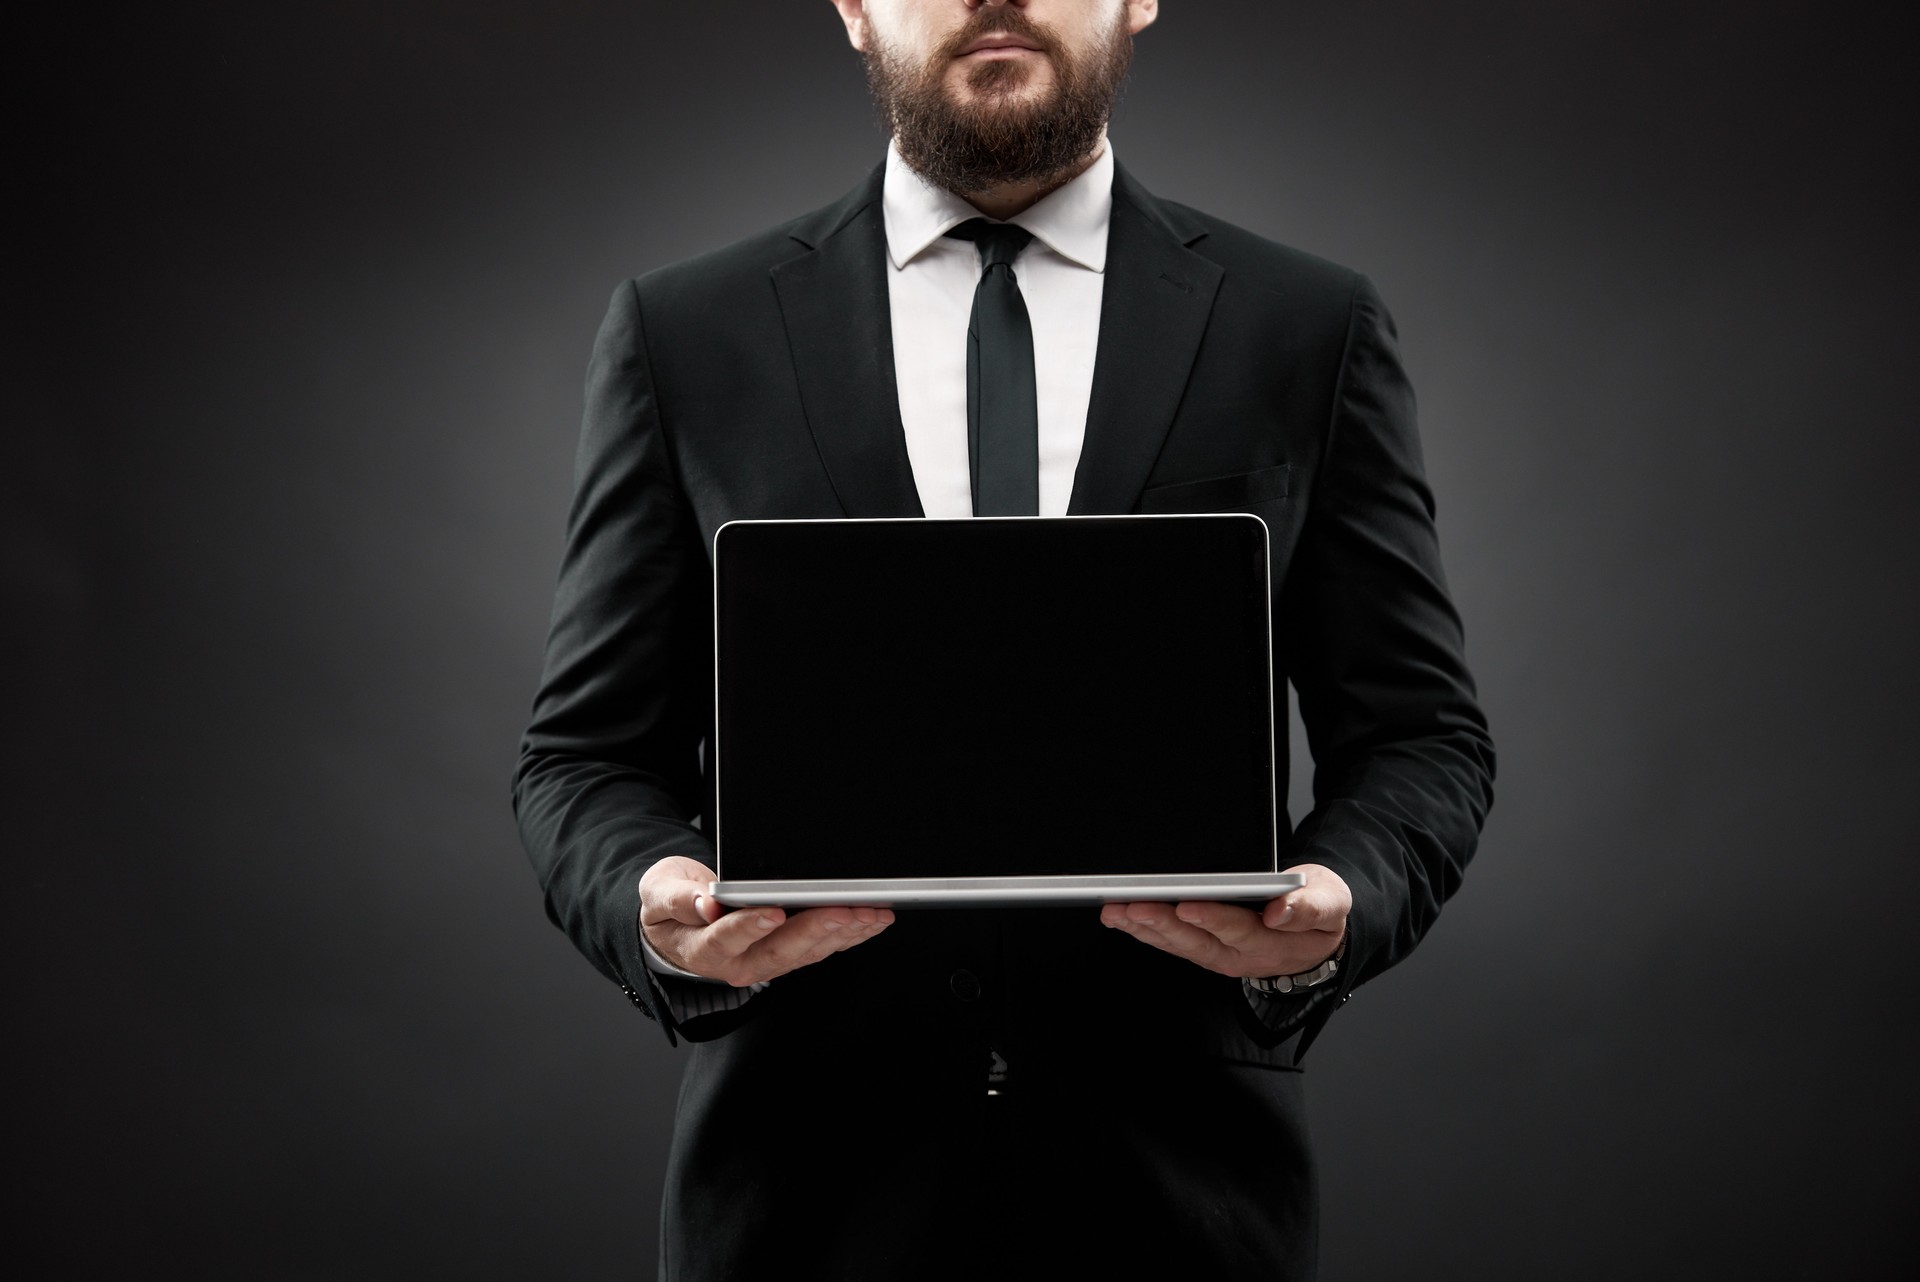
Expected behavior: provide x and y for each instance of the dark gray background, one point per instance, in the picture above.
(298, 326)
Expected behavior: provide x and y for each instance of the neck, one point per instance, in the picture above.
(1008, 199)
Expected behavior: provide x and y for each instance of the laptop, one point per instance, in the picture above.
(1011, 710)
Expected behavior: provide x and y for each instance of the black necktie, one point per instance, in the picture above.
(1003, 407)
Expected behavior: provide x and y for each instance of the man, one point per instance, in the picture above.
(1013, 1092)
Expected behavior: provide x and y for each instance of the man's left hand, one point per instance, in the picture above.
(1290, 936)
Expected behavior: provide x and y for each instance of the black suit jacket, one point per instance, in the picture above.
(840, 1119)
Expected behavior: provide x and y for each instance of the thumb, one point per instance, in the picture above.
(678, 899)
(1309, 908)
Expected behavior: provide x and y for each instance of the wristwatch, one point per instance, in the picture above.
(1277, 984)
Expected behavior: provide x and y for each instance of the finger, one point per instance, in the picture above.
(675, 888)
(752, 944)
(1266, 953)
(1322, 903)
(710, 950)
(860, 925)
(1168, 933)
(1132, 916)
(834, 930)
(674, 908)
(1207, 953)
(677, 866)
(677, 899)
(738, 931)
(1231, 924)
(1147, 912)
(1308, 908)
(867, 923)
(813, 935)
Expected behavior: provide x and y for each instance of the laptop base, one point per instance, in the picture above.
(960, 892)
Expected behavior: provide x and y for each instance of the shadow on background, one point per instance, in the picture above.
(303, 313)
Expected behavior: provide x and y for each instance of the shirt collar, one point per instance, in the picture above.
(1071, 220)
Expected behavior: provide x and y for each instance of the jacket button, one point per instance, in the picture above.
(965, 985)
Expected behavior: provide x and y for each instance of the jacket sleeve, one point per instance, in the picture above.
(609, 776)
(1403, 763)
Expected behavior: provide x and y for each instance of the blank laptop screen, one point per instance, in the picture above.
(1072, 696)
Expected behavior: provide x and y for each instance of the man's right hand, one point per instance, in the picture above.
(686, 927)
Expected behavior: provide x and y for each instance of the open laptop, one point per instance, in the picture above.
(994, 711)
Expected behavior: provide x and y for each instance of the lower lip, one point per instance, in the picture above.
(1000, 51)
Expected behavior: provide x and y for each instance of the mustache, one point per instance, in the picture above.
(1005, 20)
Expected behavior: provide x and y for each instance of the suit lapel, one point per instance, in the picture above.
(833, 303)
(1153, 311)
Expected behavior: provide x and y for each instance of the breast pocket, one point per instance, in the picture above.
(1235, 493)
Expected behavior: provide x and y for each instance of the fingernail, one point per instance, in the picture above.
(831, 924)
(700, 904)
(1286, 914)
(764, 923)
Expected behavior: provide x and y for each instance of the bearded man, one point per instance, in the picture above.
(1031, 1090)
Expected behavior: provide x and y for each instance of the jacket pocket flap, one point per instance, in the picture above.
(1219, 493)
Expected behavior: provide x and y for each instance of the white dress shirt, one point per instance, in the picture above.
(930, 294)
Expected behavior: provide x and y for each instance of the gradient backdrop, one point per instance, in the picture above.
(298, 323)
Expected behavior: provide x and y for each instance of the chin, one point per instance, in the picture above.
(1004, 82)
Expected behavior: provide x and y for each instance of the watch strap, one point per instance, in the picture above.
(1275, 985)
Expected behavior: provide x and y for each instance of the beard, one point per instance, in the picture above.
(1001, 136)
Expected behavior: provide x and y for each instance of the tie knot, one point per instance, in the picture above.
(1000, 243)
